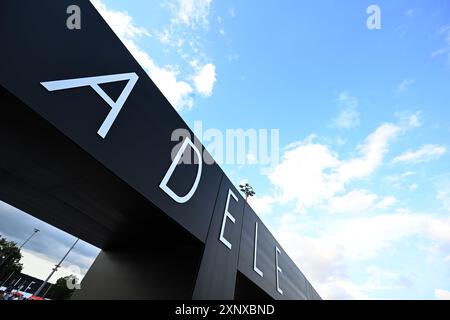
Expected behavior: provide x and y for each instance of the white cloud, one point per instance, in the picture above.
(341, 289)
(397, 180)
(408, 120)
(169, 37)
(444, 196)
(261, 205)
(414, 120)
(344, 99)
(412, 13)
(326, 255)
(386, 202)
(176, 91)
(364, 238)
(349, 116)
(179, 92)
(404, 85)
(442, 186)
(304, 175)
(381, 279)
(310, 176)
(189, 23)
(316, 257)
(425, 153)
(356, 201)
(120, 22)
(232, 12)
(193, 13)
(439, 231)
(39, 266)
(442, 294)
(367, 238)
(251, 158)
(205, 78)
(372, 153)
(444, 31)
(288, 218)
(311, 173)
(439, 52)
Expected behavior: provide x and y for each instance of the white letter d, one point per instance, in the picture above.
(163, 185)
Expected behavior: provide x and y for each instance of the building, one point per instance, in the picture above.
(23, 283)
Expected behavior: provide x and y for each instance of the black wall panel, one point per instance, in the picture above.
(138, 145)
(217, 273)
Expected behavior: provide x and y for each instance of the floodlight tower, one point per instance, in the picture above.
(247, 190)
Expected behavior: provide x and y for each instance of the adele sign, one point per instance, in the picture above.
(116, 107)
(97, 133)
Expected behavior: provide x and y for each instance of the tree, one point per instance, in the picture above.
(60, 290)
(9, 258)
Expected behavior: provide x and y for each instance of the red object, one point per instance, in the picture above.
(35, 298)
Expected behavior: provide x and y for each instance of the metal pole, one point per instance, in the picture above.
(48, 289)
(29, 238)
(55, 269)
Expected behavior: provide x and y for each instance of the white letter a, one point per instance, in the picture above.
(94, 82)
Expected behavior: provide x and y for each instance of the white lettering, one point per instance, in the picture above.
(94, 82)
(255, 253)
(163, 185)
(227, 215)
(278, 251)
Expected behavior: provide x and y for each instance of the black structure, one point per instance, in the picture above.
(85, 140)
(24, 283)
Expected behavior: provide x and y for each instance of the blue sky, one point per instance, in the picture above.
(360, 198)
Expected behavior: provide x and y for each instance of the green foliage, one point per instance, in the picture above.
(60, 291)
(9, 258)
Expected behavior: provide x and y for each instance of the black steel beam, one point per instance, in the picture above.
(167, 230)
